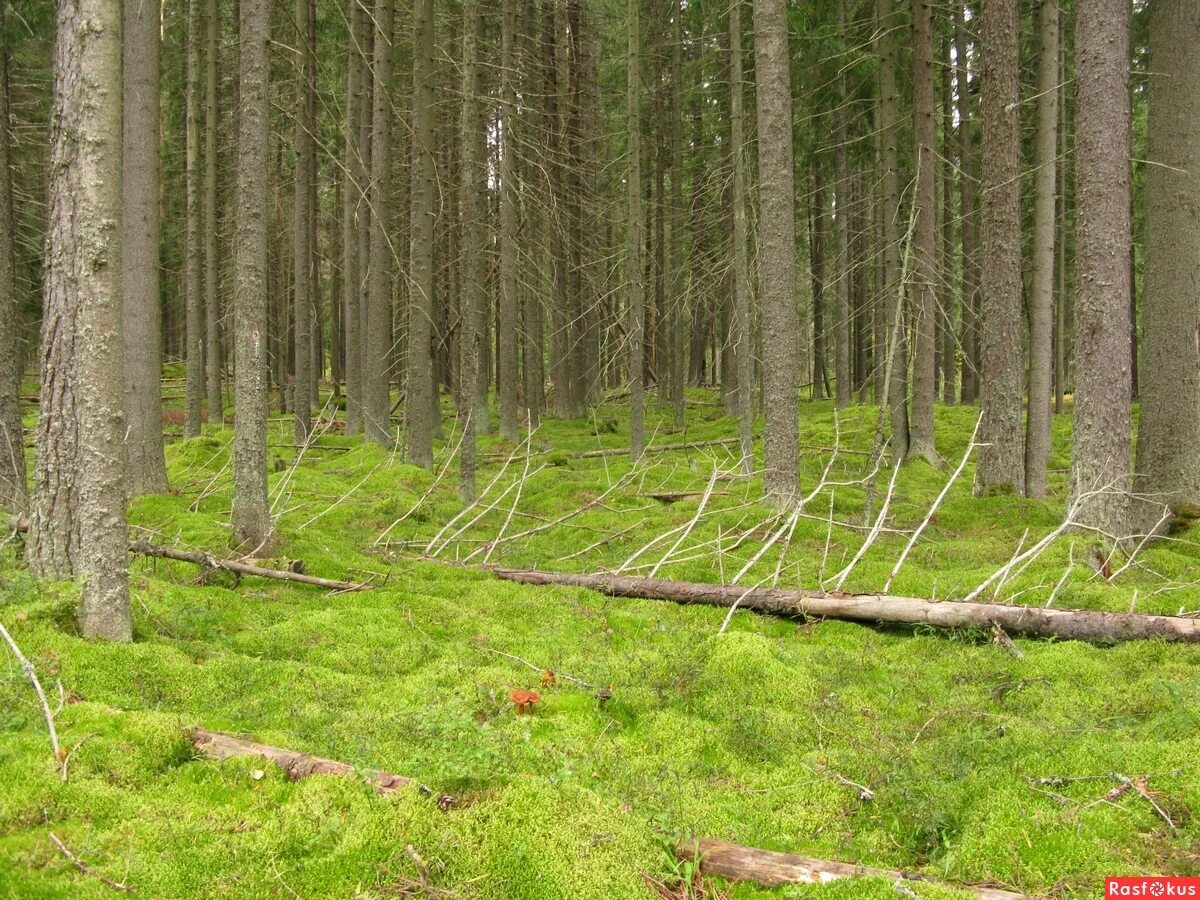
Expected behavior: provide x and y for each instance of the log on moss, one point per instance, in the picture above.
(771, 869)
(214, 745)
(1028, 621)
(205, 560)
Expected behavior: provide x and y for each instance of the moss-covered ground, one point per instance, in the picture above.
(985, 767)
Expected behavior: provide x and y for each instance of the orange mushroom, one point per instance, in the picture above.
(524, 700)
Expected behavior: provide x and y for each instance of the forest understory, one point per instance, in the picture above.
(1037, 766)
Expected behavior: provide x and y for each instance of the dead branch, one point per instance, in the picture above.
(86, 869)
(1079, 624)
(27, 668)
(207, 561)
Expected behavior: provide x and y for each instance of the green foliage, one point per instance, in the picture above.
(745, 735)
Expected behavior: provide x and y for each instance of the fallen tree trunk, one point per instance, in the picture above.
(770, 869)
(214, 745)
(1067, 624)
(205, 560)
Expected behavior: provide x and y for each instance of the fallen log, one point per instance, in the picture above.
(676, 496)
(771, 869)
(214, 745)
(1067, 624)
(205, 560)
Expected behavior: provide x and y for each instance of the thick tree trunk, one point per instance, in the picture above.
(1002, 452)
(12, 449)
(506, 374)
(924, 285)
(1041, 300)
(302, 260)
(193, 394)
(141, 311)
(741, 248)
(77, 521)
(777, 251)
(633, 242)
(537, 227)
(212, 269)
(420, 393)
(889, 356)
(251, 515)
(1100, 463)
(352, 194)
(377, 320)
(1169, 430)
(1027, 621)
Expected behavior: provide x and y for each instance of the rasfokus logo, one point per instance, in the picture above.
(1151, 887)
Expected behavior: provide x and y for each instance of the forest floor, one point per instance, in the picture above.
(985, 767)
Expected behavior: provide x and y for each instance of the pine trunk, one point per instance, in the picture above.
(633, 241)
(506, 375)
(473, 185)
(352, 195)
(741, 248)
(193, 395)
(302, 263)
(212, 270)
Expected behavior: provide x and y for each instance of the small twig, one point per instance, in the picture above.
(27, 668)
(86, 869)
(536, 668)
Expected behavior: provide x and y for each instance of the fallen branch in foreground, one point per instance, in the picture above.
(771, 869)
(205, 560)
(85, 868)
(214, 745)
(27, 668)
(1077, 624)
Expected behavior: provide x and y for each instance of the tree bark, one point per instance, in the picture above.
(212, 269)
(506, 375)
(352, 194)
(741, 249)
(777, 251)
(924, 284)
(1027, 621)
(843, 384)
(1100, 459)
(251, 515)
(1002, 453)
(420, 394)
(473, 183)
(141, 311)
(1041, 300)
(948, 343)
(193, 394)
(1168, 460)
(302, 260)
(771, 869)
(970, 241)
(633, 241)
(77, 521)
(377, 321)
(817, 259)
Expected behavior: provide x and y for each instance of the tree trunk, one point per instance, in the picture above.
(777, 250)
(377, 322)
(506, 376)
(1041, 300)
(1169, 430)
(251, 515)
(193, 395)
(146, 469)
(633, 242)
(1026, 621)
(473, 185)
(678, 311)
(302, 261)
(1100, 456)
(212, 269)
(948, 344)
(1002, 453)
(420, 393)
(925, 255)
(741, 248)
(817, 260)
(77, 521)
(889, 356)
(538, 229)
(352, 194)
(970, 240)
(841, 236)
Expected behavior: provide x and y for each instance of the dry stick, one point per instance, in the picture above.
(483, 511)
(887, 586)
(1138, 549)
(788, 526)
(688, 530)
(470, 506)
(425, 496)
(512, 509)
(1008, 572)
(529, 532)
(771, 869)
(607, 539)
(27, 668)
(336, 503)
(86, 869)
(205, 560)
(1065, 575)
(1028, 621)
(874, 532)
(537, 668)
